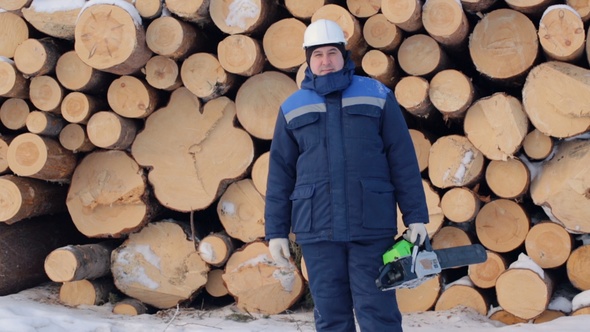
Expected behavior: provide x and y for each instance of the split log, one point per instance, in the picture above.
(24, 198)
(12, 83)
(420, 298)
(109, 130)
(216, 248)
(406, 14)
(537, 146)
(381, 34)
(380, 66)
(496, 125)
(421, 55)
(549, 244)
(163, 73)
(130, 306)
(78, 107)
(55, 22)
(524, 289)
(282, 44)
(561, 34)
(79, 262)
(240, 54)
(149, 9)
(561, 186)
(209, 152)
(363, 8)
(74, 74)
(508, 179)
(108, 38)
(412, 94)
(451, 92)
(173, 38)
(258, 285)
(46, 93)
(14, 113)
(40, 157)
(159, 265)
(30, 242)
(422, 144)
(578, 270)
(259, 173)
(44, 123)
(351, 27)
(460, 204)
(229, 16)
(13, 31)
(547, 316)
(504, 45)
(555, 99)
(485, 275)
(85, 292)
(108, 195)
(462, 293)
(449, 237)
(454, 162)
(241, 211)
(4, 142)
(132, 97)
(35, 57)
(73, 137)
(304, 9)
(196, 11)
(203, 75)
(215, 286)
(256, 109)
(446, 22)
(502, 225)
(507, 318)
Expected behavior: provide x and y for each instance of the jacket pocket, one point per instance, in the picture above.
(301, 210)
(305, 129)
(379, 206)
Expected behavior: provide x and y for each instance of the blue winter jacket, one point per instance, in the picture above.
(341, 158)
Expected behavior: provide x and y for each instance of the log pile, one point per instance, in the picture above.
(146, 125)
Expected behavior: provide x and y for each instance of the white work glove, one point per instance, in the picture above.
(415, 230)
(279, 250)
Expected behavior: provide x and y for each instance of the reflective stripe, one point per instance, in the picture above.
(320, 108)
(363, 100)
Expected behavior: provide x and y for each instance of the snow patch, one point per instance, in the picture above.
(119, 3)
(581, 300)
(128, 271)
(228, 208)
(5, 59)
(240, 11)
(525, 262)
(206, 251)
(560, 303)
(52, 6)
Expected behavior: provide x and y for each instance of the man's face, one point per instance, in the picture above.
(325, 59)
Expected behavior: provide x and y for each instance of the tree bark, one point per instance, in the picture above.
(79, 262)
(4, 142)
(85, 292)
(12, 83)
(508, 179)
(241, 211)
(44, 123)
(131, 97)
(257, 109)
(108, 195)
(208, 150)
(36, 57)
(502, 225)
(258, 285)
(496, 125)
(107, 38)
(159, 265)
(40, 157)
(454, 162)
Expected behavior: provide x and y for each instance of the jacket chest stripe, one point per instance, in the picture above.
(319, 108)
(363, 100)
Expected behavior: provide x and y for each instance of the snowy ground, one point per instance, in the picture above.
(38, 309)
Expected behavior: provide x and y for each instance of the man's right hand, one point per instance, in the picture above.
(279, 250)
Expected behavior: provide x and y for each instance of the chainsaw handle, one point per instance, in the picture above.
(427, 244)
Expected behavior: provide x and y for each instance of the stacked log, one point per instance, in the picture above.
(149, 122)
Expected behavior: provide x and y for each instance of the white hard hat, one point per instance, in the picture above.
(323, 32)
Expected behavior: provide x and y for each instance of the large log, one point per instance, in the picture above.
(258, 285)
(246, 17)
(111, 38)
(173, 38)
(549, 244)
(132, 97)
(561, 186)
(159, 265)
(578, 270)
(561, 33)
(502, 225)
(451, 92)
(241, 211)
(446, 22)
(203, 75)
(109, 130)
(108, 195)
(86, 292)
(282, 44)
(460, 204)
(381, 66)
(35, 57)
(454, 162)
(420, 298)
(462, 293)
(208, 151)
(406, 14)
(163, 73)
(241, 54)
(484, 275)
(26, 244)
(23, 198)
(56, 21)
(421, 55)
(74, 74)
(508, 179)
(381, 34)
(193, 11)
(13, 31)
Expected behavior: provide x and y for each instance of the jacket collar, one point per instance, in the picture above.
(332, 82)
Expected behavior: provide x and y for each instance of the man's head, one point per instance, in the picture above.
(324, 45)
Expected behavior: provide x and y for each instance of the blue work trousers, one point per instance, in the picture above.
(342, 282)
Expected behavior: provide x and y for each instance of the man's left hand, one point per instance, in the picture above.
(416, 231)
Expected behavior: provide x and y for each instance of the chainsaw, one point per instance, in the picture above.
(407, 265)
